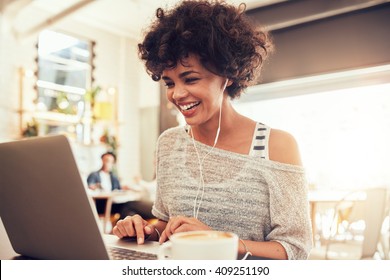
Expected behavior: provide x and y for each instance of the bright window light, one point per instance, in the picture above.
(343, 135)
(51, 42)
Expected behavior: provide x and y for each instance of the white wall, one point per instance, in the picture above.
(149, 103)
(13, 54)
(147, 93)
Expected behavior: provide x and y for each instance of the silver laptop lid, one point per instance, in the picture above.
(43, 202)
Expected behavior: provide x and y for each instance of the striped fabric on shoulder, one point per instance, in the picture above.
(259, 147)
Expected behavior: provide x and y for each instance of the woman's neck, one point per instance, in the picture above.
(206, 133)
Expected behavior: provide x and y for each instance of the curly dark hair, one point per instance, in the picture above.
(220, 34)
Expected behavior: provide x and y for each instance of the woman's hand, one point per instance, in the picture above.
(181, 224)
(133, 226)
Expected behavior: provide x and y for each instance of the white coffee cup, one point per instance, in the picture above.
(200, 245)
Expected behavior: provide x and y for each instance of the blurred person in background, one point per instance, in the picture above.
(104, 180)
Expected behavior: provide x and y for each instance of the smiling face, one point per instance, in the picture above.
(195, 91)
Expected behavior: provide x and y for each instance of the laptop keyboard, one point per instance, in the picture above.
(117, 253)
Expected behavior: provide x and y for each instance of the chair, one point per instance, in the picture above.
(351, 243)
(385, 238)
(108, 219)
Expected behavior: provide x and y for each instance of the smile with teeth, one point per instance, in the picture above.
(188, 106)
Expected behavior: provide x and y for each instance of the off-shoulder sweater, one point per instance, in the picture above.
(258, 199)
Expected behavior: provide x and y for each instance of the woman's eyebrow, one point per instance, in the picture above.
(181, 75)
(184, 74)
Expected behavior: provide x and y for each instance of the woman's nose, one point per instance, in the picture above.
(179, 93)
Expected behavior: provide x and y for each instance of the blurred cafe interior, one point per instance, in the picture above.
(71, 67)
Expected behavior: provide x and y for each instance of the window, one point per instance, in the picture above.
(343, 134)
(64, 75)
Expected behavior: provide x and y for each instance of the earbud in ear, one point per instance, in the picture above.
(226, 83)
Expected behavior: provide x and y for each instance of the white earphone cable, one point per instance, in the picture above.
(201, 178)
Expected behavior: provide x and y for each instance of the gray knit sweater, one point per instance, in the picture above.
(258, 199)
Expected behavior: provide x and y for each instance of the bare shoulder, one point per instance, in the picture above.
(283, 147)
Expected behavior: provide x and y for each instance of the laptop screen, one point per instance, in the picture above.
(43, 202)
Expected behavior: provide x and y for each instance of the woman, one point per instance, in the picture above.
(222, 171)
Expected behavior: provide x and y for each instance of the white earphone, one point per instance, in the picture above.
(196, 203)
(220, 113)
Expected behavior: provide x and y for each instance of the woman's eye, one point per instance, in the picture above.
(191, 80)
(169, 85)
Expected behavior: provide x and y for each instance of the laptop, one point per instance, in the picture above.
(46, 210)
